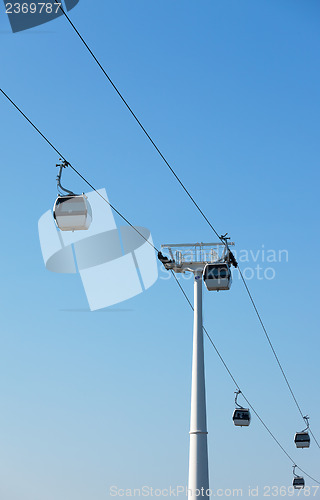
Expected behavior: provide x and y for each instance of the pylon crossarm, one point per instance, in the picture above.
(191, 257)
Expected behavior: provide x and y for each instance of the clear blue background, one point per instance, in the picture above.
(230, 92)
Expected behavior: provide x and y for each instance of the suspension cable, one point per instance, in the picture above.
(273, 350)
(77, 172)
(183, 187)
(238, 387)
(137, 231)
(183, 292)
(137, 120)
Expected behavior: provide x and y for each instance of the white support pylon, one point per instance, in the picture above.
(194, 258)
(198, 484)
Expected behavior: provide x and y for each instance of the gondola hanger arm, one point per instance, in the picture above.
(61, 166)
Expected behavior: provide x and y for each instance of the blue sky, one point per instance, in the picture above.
(230, 92)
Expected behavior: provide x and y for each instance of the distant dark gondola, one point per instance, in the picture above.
(298, 483)
(302, 440)
(241, 416)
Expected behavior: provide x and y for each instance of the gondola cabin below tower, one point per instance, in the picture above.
(217, 276)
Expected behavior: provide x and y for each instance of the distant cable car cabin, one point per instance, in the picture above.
(71, 212)
(302, 439)
(241, 416)
(217, 276)
(298, 481)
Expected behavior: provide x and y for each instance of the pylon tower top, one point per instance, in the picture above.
(192, 257)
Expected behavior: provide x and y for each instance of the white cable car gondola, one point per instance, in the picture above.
(241, 416)
(217, 276)
(72, 212)
(298, 481)
(302, 439)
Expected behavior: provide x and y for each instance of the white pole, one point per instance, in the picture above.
(198, 455)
